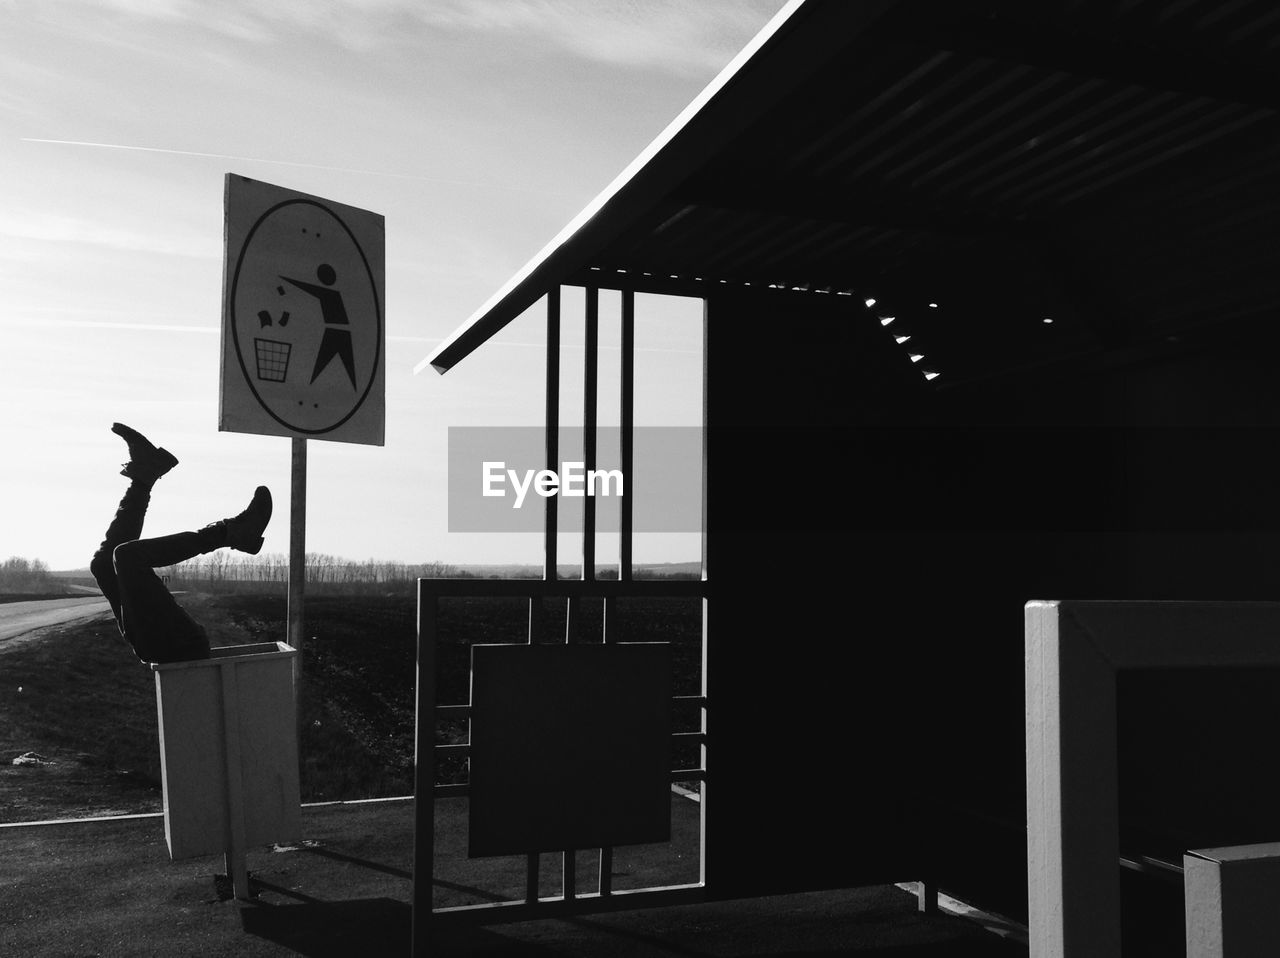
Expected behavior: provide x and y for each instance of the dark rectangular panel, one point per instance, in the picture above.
(570, 747)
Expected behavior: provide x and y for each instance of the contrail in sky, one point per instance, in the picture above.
(160, 327)
(106, 324)
(308, 166)
(173, 328)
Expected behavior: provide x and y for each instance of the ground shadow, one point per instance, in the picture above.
(472, 942)
(379, 926)
(362, 862)
(968, 943)
(477, 942)
(339, 929)
(942, 949)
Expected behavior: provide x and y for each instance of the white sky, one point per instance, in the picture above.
(478, 128)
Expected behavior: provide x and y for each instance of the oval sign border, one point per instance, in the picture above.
(235, 316)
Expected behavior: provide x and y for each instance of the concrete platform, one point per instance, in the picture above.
(108, 888)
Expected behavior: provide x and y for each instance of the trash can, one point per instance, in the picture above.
(229, 751)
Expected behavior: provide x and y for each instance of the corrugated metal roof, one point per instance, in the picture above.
(1108, 164)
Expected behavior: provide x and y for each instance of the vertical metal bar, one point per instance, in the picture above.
(537, 626)
(297, 540)
(627, 426)
(626, 451)
(927, 897)
(590, 416)
(606, 872)
(706, 432)
(570, 880)
(531, 878)
(707, 625)
(705, 727)
(551, 527)
(550, 523)
(572, 619)
(591, 323)
(606, 853)
(537, 621)
(237, 867)
(295, 613)
(424, 778)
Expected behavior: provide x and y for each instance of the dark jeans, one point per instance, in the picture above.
(155, 625)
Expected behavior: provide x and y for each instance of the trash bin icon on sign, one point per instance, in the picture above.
(273, 359)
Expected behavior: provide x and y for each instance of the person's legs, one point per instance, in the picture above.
(125, 526)
(146, 464)
(157, 627)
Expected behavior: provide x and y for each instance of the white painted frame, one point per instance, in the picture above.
(1073, 651)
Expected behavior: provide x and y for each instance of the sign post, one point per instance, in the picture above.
(295, 613)
(297, 542)
(303, 342)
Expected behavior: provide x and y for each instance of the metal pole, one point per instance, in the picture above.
(551, 527)
(627, 407)
(707, 728)
(424, 775)
(627, 402)
(590, 375)
(551, 522)
(297, 571)
(297, 541)
(237, 864)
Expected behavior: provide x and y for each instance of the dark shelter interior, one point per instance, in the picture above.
(1067, 209)
(872, 560)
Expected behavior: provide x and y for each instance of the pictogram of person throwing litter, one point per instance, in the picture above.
(336, 342)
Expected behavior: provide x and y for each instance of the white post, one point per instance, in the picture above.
(1073, 828)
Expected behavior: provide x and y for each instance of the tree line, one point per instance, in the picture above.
(223, 571)
(20, 576)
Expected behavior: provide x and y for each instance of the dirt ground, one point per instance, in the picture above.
(109, 889)
(86, 718)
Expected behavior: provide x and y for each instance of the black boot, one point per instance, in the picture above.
(243, 532)
(147, 462)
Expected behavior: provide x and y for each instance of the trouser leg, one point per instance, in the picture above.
(157, 627)
(125, 526)
(170, 550)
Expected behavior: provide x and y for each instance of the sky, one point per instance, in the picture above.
(477, 128)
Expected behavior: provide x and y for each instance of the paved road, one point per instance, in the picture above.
(20, 619)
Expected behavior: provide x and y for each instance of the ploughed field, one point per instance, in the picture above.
(78, 710)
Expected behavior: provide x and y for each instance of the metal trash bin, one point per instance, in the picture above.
(229, 752)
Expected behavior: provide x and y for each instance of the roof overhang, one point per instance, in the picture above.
(776, 60)
(1106, 165)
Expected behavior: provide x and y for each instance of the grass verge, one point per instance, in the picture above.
(78, 698)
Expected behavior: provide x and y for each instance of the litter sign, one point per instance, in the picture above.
(303, 339)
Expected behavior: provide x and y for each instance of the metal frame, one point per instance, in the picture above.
(1073, 652)
(430, 591)
(573, 591)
